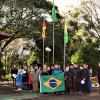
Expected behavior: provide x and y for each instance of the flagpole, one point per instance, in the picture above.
(43, 51)
(53, 42)
(64, 55)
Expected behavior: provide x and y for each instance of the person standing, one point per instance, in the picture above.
(89, 81)
(98, 71)
(14, 70)
(25, 79)
(19, 77)
(85, 78)
(44, 72)
(68, 80)
(56, 71)
(76, 78)
(30, 82)
(35, 78)
(51, 69)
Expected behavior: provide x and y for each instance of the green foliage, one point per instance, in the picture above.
(23, 20)
(1, 64)
(2, 72)
(31, 59)
(76, 58)
(88, 54)
(9, 77)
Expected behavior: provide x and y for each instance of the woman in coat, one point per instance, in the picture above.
(35, 78)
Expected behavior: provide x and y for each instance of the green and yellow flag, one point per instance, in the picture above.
(65, 33)
(53, 12)
(52, 83)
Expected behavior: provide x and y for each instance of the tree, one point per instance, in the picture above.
(88, 54)
(17, 17)
(31, 59)
(91, 18)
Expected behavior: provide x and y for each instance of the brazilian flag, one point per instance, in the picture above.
(54, 12)
(52, 83)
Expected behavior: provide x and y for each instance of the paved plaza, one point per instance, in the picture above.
(6, 93)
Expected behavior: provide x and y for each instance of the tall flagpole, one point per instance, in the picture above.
(64, 55)
(53, 43)
(43, 51)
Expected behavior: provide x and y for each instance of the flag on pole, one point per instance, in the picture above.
(52, 83)
(43, 28)
(65, 33)
(53, 12)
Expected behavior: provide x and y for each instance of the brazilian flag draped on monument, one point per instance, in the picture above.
(52, 83)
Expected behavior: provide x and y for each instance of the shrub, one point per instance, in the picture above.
(2, 72)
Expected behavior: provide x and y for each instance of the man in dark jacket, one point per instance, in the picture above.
(85, 78)
(75, 77)
(68, 80)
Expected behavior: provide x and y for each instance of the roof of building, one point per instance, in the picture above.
(4, 35)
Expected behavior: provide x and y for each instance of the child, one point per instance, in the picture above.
(68, 78)
(85, 78)
(19, 78)
(30, 82)
(44, 72)
(35, 78)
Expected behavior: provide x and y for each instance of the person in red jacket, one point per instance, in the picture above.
(30, 82)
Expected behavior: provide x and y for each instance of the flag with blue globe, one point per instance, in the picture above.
(52, 83)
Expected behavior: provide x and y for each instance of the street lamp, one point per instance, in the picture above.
(48, 50)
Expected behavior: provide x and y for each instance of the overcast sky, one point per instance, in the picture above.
(63, 3)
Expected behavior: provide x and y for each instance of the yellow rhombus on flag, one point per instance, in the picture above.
(47, 83)
(52, 83)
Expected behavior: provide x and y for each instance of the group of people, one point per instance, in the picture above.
(76, 78)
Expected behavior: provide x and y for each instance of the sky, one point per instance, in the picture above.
(62, 3)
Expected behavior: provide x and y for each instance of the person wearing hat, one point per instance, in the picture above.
(44, 71)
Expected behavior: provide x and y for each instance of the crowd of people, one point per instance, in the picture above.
(76, 78)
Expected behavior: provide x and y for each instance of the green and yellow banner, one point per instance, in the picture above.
(65, 33)
(52, 83)
(54, 12)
